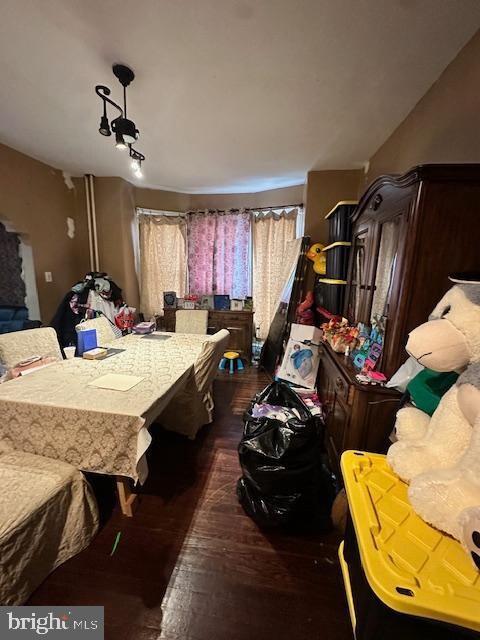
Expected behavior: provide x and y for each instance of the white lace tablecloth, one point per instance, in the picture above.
(54, 413)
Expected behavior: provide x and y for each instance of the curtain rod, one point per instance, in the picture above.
(280, 206)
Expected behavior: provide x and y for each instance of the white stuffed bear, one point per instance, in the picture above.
(449, 341)
(449, 499)
(440, 457)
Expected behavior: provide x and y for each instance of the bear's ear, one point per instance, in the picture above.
(445, 304)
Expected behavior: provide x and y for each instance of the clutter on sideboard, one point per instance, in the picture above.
(363, 344)
(215, 302)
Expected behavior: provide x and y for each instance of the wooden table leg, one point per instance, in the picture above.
(126, 497)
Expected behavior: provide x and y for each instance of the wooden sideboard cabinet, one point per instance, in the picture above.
(238, 323)
(409, 233)
(357, 416)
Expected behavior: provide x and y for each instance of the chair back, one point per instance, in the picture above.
(207, 362)
(191, 321)
(20, 345)
(103, 326)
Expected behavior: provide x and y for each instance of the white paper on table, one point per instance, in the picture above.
(116, 381)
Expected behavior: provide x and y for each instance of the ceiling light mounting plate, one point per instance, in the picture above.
(124, 74)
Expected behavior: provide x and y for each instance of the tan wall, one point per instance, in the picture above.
(271, 198)
(171, 201)
(36, 201)
(444, 126)
(324, 190)
(115, 210)
(161, 200)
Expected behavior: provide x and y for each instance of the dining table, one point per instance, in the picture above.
(58, 412)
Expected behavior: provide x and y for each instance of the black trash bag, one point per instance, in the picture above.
(286, 481)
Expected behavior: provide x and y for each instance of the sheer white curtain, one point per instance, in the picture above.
(273, 233)
(163, 258)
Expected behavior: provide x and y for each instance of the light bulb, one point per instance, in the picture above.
(120, 142)
(135, 165)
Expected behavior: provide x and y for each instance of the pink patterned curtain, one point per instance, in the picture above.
(218, 253)
(201, 242)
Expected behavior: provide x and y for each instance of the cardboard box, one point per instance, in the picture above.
(301, 359)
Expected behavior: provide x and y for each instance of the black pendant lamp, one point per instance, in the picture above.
(125, 130)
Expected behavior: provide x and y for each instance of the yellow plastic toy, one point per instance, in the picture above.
(318, 257)
(232, 358)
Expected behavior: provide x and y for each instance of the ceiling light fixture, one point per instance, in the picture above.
(137, 159)
(125, 130)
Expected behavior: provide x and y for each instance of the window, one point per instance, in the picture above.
(214, 252)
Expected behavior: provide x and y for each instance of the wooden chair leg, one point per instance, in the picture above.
(126, 497)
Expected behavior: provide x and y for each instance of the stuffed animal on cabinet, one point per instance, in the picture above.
(318, 256)
(440, 455)
(304, 310)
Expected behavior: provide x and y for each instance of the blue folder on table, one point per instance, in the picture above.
(87, 339)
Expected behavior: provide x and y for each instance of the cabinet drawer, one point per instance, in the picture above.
(342, 388)
(230, 318)
(212, 327)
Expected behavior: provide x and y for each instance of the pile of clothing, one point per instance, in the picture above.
(96, 295)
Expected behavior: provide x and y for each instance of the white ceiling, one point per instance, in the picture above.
(230, 95)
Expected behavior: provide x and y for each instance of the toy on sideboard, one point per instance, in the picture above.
(440, 455)
(305, 310)
(317, 255)
(369, 346)
(339, 334)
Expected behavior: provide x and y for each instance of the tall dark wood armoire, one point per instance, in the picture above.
(409, 233)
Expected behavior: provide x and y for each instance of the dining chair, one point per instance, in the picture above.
(193, 407)
(20, 345)
(191, 321)
(48, 515)
(104, 328)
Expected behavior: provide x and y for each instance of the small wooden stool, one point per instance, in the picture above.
(232, 357)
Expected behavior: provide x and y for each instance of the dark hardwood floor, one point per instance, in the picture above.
(191, 565)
